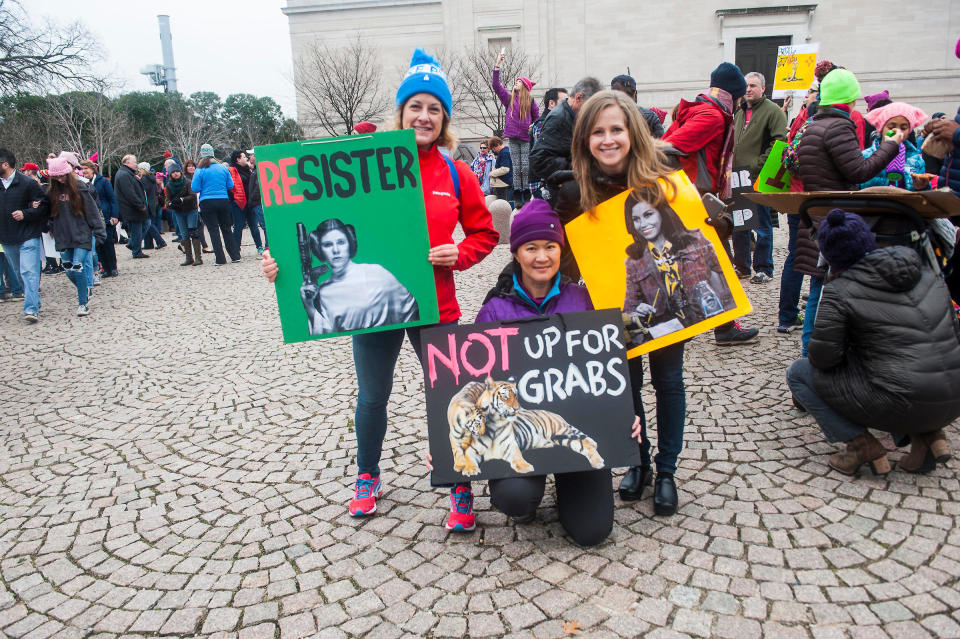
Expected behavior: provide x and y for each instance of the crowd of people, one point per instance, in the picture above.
(880, 345)
(72, 217)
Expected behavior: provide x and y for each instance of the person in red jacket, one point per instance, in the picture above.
(424, 104)
(703, 131)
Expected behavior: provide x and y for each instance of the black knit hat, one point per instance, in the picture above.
(729, 78)
(844, 238)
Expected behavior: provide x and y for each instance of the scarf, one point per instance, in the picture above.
(479, 165)
(174, 187)
(897, 169)
(723, 100)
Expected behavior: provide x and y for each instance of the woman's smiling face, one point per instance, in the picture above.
(423, 113)
(610, 141)
(336, 249)
(646, 220)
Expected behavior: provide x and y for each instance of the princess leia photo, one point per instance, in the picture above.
(354, 296)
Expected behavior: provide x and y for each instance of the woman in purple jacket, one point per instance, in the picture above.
(535, 288)
(522, 111)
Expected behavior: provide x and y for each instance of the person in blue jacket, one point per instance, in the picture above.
(212, 183)
(905, 169)
(106, 252)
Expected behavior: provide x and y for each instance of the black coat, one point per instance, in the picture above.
(551, 153)
(76, 231)
(149, 182)
(131, 199)
(20, 196)
(185, 201)
(886, 345)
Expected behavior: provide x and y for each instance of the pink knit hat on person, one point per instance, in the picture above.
(71, 158)
(881, 115)
(527, 82)
(660, 113)
(58, 166)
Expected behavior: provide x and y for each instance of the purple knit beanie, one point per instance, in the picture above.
(535, 221)
(844, 238)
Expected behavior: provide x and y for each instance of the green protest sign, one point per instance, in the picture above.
(348, 229)
(774, 177)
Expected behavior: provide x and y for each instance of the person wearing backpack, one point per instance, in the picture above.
(452, 195)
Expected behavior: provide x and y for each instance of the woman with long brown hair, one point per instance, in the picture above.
(75, 219)
(613, 151)
(522, 111)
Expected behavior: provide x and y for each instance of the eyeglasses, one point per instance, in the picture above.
(483, 148)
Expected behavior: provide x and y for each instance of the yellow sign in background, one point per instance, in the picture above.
(599, 241)
(795, 69)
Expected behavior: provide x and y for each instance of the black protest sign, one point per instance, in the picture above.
(536, 396)
(744, 211)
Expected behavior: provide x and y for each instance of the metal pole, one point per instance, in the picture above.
(166, 47)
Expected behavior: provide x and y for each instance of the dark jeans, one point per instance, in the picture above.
(374, 359)
(666, 373)
(216, 216)
(152, 234)
(762, 252)
(584, 501)
(137, 230)
(791, 281)
(241, 218)
(835, 427)
(106, 250)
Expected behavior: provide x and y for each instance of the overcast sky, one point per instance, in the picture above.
(240, 46)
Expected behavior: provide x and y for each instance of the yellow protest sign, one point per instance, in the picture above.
(795, 67)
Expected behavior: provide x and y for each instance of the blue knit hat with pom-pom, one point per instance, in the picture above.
(425, 76)
(844, 238)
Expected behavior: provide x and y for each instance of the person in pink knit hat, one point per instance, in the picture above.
(907, 167)
(522, 111)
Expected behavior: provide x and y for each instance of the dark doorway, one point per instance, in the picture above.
(760, 54)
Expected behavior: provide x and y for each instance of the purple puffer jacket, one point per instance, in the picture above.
(504, 302)
(514, 127)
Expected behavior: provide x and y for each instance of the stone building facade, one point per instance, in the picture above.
(670, 48)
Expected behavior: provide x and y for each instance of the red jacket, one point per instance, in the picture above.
(239, 196)
(443, 213)
(699, 125)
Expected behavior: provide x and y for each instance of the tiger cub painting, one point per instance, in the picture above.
(487, 422)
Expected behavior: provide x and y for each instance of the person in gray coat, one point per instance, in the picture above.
(885, 351)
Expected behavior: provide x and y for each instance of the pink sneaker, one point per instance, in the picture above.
(365, 500)
(461, 516)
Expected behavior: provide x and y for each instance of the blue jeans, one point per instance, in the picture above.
(27, 260)
(73, 258)
(791, 281)
(374, 359)
(137, 231)
(762, 252)
(835, 426)
(10, 281)
(666, 373)
(88, 263)
(152, 233)
(241, 218)
(810, 315)
(261, 222)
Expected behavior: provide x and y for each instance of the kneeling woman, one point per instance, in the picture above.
(536, 288)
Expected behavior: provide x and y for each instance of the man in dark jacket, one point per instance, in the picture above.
(154, 232)
(626, 84)
(23, 214)
(885, 352)
(552, 151)
(756, 126)
(132, 204)
(106, 252)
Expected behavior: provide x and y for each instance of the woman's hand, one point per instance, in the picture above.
(429, 462)
(443, 255)
(898, 136)
(496, 65)
(308, 295)
(637, 432)
(920, 181)
(269, 266)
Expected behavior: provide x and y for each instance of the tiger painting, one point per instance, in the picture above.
(487, 422)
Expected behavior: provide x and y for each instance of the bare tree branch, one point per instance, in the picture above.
(40, 57)
(340, 86)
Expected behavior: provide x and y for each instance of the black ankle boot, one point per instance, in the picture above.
(633, 483)
(665, 495)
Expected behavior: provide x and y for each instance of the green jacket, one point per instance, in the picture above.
(753, 143)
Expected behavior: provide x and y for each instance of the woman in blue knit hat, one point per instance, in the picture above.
(885, 352)
(452, 196)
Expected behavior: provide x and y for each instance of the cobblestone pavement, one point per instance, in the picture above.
(169, 467)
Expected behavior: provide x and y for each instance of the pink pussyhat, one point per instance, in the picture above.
(527, 82)
(881, 115)
(58, 166)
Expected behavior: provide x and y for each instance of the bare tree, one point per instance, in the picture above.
(471, 82)
(189, 123)
(36, 57)
(340, 86)
(88, 122)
